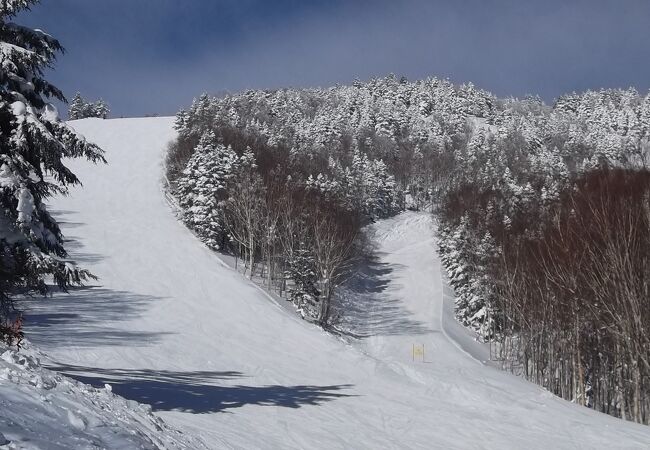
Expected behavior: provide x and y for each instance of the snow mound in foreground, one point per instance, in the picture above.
(41, 409)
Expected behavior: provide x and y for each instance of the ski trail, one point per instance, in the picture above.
(169, 325)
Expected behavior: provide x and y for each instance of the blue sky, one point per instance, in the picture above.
(154, 56)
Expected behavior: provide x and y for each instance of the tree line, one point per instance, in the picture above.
(544, 237)
(257, 204)
(80, 108)
(501, 175)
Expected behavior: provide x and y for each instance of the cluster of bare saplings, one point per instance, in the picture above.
(297, 241)
(574, 300)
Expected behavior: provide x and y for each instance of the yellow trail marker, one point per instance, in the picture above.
(418, 350)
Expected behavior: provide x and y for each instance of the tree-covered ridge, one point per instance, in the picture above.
(33, 145)
(531, 237)
(382, 118)
(503, 175)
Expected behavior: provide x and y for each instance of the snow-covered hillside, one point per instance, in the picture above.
(42, 409)
(170, 325)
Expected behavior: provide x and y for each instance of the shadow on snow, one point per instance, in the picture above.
(71, 243)
(365, 307)
(198, 392)
(87, 317)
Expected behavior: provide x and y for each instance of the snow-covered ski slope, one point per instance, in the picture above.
(41, 409)
(170, 325)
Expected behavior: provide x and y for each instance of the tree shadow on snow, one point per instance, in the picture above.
(71, 243)
(87, 317)
(73, 246)
(364, 306)
(198, 392)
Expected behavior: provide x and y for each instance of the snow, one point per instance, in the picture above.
(481, 123)
(25, 206)
(50, 113)
(18, 108)
(41, 409)
(170, 325)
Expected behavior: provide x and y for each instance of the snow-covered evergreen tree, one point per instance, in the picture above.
(202, 188)
(304, 293)
(100, 109)
(77, 108)
(80, 108)
(33, 145)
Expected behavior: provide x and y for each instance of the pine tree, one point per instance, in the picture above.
(202, 188)
(80, 108)
(304, 293)
(33, 144)
(384, 190)
(100, 109)
(77, 107)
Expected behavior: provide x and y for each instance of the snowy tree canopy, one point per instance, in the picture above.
(502, 176)
(203, 186)
(80, 108)
(33, 145)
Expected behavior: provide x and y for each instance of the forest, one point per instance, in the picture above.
(265, 262)
(543, 211)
